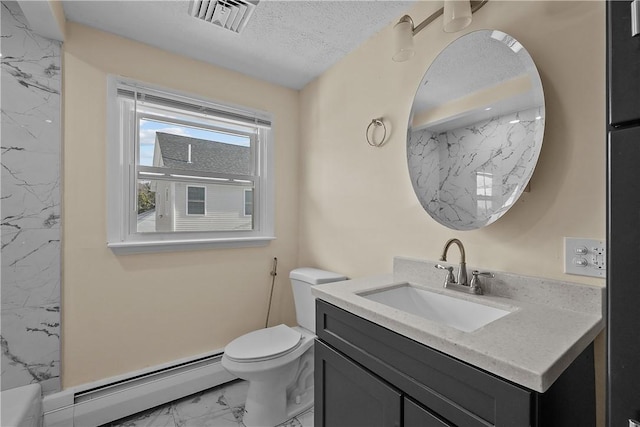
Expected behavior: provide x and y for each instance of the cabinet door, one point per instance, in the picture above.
(623, 53)
(347, 395)
(417, 416)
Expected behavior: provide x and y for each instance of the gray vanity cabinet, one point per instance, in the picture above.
(367, 375)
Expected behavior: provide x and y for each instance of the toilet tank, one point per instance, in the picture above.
(301, 281)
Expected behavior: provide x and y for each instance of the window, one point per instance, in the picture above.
(196, 200)
(484, 193)
(184, 171)
(248, 202)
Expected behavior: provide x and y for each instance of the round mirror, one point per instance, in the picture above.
(475, 130)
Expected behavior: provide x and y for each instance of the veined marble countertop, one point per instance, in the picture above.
(551, 321)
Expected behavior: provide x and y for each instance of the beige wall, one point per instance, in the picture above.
(58, 13)
(357, 207)
(355, 203)
(122, 313)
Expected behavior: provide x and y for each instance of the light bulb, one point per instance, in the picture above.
(403, 40)
(457, 15)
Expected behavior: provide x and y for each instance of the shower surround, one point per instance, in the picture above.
(30, 204)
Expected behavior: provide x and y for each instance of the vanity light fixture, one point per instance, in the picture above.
(457, 16)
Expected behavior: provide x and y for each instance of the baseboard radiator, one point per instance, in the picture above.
(90, 406)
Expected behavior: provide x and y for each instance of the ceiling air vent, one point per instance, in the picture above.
(229, 14)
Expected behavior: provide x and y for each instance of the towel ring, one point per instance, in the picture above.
(377, 123)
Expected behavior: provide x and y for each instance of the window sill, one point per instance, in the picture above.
(127, 248)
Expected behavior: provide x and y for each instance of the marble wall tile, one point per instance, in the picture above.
(31, 346)
(30, 204)
(470, 176)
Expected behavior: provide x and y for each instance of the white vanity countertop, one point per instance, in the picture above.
(551, 322)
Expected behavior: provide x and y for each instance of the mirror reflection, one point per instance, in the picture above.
(475, 130)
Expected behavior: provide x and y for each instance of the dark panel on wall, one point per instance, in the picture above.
(623, 215)
(623, 285)
(623, 65)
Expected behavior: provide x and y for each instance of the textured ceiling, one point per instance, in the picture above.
(469, 64)
(288, 43)
(472, 64)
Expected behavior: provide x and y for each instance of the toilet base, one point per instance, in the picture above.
(300, 393)
(270, 403)
(265, 405)
(268, 407)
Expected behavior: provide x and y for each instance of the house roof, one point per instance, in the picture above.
(206, 155)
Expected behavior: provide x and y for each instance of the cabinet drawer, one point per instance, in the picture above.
(460, 393)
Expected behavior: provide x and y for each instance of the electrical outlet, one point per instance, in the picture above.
(585, 257)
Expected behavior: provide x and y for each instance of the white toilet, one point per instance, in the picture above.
(278, 361)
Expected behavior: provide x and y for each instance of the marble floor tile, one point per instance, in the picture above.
(156, 417)
(218, 407)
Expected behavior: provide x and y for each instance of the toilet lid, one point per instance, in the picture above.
(264, 343)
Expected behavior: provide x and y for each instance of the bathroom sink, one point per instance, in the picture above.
(461, 314)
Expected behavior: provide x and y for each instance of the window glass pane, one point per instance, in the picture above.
(176, 145)
(195, 200)
(248, 202)
(166, 205)
(195, 208)
(146, 206)
(203, 151)
(195, 193)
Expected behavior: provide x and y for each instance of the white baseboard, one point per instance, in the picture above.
(89, 406)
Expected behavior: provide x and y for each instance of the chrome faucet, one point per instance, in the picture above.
(462, 271)
(450, 282)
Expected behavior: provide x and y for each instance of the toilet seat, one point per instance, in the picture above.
(264, 344)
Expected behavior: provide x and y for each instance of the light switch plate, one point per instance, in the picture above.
(585, 257)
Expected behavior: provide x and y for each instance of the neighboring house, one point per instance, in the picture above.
(198, 206)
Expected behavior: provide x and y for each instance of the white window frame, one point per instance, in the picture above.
(204, 200)
(122, 173)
